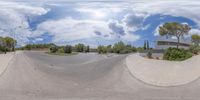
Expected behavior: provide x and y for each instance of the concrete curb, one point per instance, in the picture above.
(159, 77)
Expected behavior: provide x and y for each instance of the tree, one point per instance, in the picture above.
(196, 39)
(79, 47)
(145, 45)
(119, 47)
(53, 49)
(68, 49)
(10, 43)
(87, 49)
(109, 48)
(102, 49)
(174, 29)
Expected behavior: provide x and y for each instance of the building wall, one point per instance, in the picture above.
(169, 42)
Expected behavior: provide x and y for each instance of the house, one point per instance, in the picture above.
(164, 43)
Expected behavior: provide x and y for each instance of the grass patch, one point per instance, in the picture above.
(62, 54)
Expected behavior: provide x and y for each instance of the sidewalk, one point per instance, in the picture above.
(4, 61)
(164, 73)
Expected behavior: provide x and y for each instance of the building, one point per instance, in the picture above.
(165, 43)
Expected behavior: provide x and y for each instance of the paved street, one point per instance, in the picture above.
(38, 76)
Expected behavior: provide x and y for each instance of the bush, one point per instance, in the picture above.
(3, 49)
(109, 49)
(53, 49)
(102, 49)
(79, 47)
(61, 50)
(87, 48)
(68, 49)
(175, 54)
(195, 49)
(118, 47)
(149, 54)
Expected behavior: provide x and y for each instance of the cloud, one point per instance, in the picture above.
(194, 31)
(124, 17)
(178, 8)
(98, 33)
(13, 20)
(69, 29)
(134, 20)
(116, 28)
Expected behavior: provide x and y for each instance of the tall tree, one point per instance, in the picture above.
(87, 48)
(174, 29)
(145, 45)
(196, 39)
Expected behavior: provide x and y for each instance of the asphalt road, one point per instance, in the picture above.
(38, 76)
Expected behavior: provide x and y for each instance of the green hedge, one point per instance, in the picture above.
(175, 54)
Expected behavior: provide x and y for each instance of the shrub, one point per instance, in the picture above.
(195, 49)
(61, 50)
(102, 49)
(3, 49)
(175, 54)
(149, 54)
(53, 49)
(68, 49)
(119, 47)
(87, 48)
(79, 47)
(110, 49)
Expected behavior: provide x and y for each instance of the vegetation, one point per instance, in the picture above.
(102, 49)
(176, 54)
(146, 45)
(79, 47)
(87, 49)
(37, 46)
(119, 48)
(196, 39)
(53, 49)
(174, 29)
(195, 49)
(149, 54)
(7, 44)
(68, 49)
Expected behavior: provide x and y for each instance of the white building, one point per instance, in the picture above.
(165, 43)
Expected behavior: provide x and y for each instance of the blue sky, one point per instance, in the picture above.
(93, 22)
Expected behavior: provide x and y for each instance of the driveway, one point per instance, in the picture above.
(37, 76)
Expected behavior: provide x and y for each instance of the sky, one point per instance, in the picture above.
(93, 22)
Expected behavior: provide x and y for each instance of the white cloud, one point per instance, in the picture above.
(186, 9)
(68, 29)
(13, 21)
(13, 15)
(194, 31)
